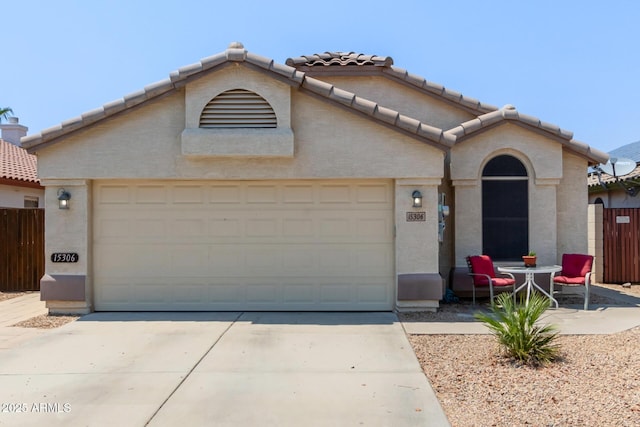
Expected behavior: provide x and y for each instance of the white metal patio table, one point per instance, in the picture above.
(529, 278)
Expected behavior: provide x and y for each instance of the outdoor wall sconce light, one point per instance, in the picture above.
(63, 199)
(417, 199)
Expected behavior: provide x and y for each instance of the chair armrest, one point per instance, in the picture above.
(587, 279)
(508, 274)
(480, 274)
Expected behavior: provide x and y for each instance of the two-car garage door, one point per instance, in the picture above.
(243, 245)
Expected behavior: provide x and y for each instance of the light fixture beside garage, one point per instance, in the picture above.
(417, 199)
(63, 198)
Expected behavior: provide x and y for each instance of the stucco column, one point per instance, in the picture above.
(420, 285)
(66, 284)
(468, 220)
(596, 241)
(543, 229)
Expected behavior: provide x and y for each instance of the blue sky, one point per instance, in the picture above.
(572, 63)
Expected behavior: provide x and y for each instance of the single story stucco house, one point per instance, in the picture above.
(332, 182)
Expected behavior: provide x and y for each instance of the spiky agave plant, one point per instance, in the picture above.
(516, 328)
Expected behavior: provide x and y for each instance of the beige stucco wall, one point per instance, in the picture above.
(329, 141)
(141, 143)
(13, 196)
(402, 98)
(572, 206)
(615, 198)
(596, 241)
(543, 159)
(145, 143)
(416, 249)
(69, 230)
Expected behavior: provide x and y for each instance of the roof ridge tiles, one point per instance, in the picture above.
(328, 59)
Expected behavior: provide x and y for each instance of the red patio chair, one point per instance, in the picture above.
(576, 271)
(483, 274)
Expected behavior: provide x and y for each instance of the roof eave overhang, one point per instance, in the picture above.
(21, 183)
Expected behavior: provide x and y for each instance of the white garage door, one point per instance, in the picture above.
(243, 245)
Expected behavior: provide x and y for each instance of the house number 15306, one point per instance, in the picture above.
(64, 257)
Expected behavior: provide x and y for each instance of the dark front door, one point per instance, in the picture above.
(505, 219)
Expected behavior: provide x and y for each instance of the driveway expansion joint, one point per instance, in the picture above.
(175, 389)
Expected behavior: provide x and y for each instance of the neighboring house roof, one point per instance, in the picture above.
(509, 113)
(628, 151)
(16, 164)
(488, 115)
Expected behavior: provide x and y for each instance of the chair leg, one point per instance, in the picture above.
(586, 297)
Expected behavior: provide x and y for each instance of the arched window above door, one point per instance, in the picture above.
(504, 165)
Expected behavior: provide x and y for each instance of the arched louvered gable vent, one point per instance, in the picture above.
(238, 108)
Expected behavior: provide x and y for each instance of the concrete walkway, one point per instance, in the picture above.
(16, 310)
(599, 319)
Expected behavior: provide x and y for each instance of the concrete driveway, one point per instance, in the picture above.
(235, 369)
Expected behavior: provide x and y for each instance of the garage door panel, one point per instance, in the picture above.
(372, 193)
(155, 194)
(225, 227)
(188, 194)
(309, 245)
(373, 291)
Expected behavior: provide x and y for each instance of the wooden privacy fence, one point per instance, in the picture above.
(21, 249)
(621, 241)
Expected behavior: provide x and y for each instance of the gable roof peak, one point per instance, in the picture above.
(236, 52)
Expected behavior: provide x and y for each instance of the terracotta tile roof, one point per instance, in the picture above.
(510, 113)
(328, 59)
(17, 164)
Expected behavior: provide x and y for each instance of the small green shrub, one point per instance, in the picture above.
(514, 325)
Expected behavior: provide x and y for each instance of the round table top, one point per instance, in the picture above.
(536, 269)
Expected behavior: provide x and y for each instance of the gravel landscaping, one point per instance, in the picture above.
(595, 383)
(46, 321)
